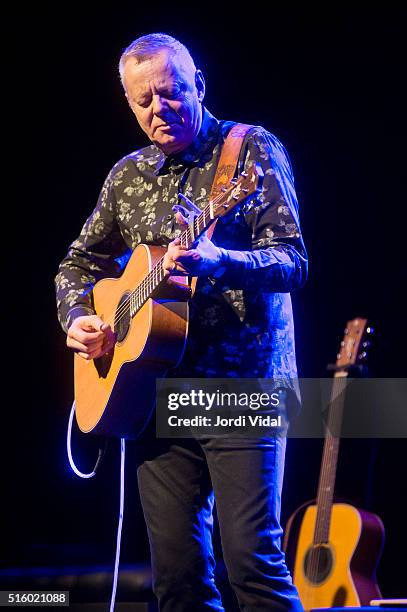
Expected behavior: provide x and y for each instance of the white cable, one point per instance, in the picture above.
(119, 528)
(69, 450)
(121, 505)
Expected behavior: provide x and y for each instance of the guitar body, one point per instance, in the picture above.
(341, 573)
(148, 311)
(115, 394)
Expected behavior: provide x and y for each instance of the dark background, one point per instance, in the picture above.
(329, 85)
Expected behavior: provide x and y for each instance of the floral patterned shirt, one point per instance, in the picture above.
(241, 324)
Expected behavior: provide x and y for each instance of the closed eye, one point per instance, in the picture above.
(172, 93)
(144, 103)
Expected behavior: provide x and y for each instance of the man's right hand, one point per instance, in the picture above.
(90, 337)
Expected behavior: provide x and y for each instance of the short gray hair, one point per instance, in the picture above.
(144, 47)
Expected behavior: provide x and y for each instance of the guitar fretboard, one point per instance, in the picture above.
(223, 202)
(327, 477)
(153, 279)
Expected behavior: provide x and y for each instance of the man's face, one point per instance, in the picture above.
(165, 93)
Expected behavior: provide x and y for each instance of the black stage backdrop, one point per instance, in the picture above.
(329, 85)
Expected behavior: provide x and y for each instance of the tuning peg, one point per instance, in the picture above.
(362, 355)
(369, 330)
(366, 344)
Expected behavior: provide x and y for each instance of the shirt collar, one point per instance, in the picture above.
(200, 149)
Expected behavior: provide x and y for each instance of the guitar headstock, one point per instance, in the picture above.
(353, 348)
(238, 191)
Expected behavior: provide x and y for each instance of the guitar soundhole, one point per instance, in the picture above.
(318, 563)
(122, 318)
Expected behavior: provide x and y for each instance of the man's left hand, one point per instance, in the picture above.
(202, 260)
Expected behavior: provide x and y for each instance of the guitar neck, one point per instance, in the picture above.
(351, 352)
(200, 224)
(327, 477)
(230, 196)
(155, 277)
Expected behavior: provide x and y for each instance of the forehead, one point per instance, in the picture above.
(160, 69)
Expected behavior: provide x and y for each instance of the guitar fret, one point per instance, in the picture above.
(211, 210)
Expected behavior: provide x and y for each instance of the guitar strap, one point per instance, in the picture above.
(224, 173)
(227, 163)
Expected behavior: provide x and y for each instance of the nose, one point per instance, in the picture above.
(159, 105)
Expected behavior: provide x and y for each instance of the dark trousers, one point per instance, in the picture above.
(178, 483)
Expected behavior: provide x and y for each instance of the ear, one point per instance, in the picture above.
(200, 85)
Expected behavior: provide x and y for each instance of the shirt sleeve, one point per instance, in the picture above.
(90, 257)
(278, 259)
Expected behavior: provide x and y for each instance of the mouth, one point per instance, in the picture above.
(167, 127)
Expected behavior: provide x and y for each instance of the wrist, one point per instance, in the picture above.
(222, 263)
(78, 311)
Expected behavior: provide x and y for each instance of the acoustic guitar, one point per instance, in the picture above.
(148, 311)
(334, 548)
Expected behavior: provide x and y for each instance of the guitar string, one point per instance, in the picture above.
(314, 547)
(207, 209)
(151, 276)
(321, 501)
(335, 419)
(326, 468)
(314, 554)
(154, 274)
(144, 287)
(145, 284)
